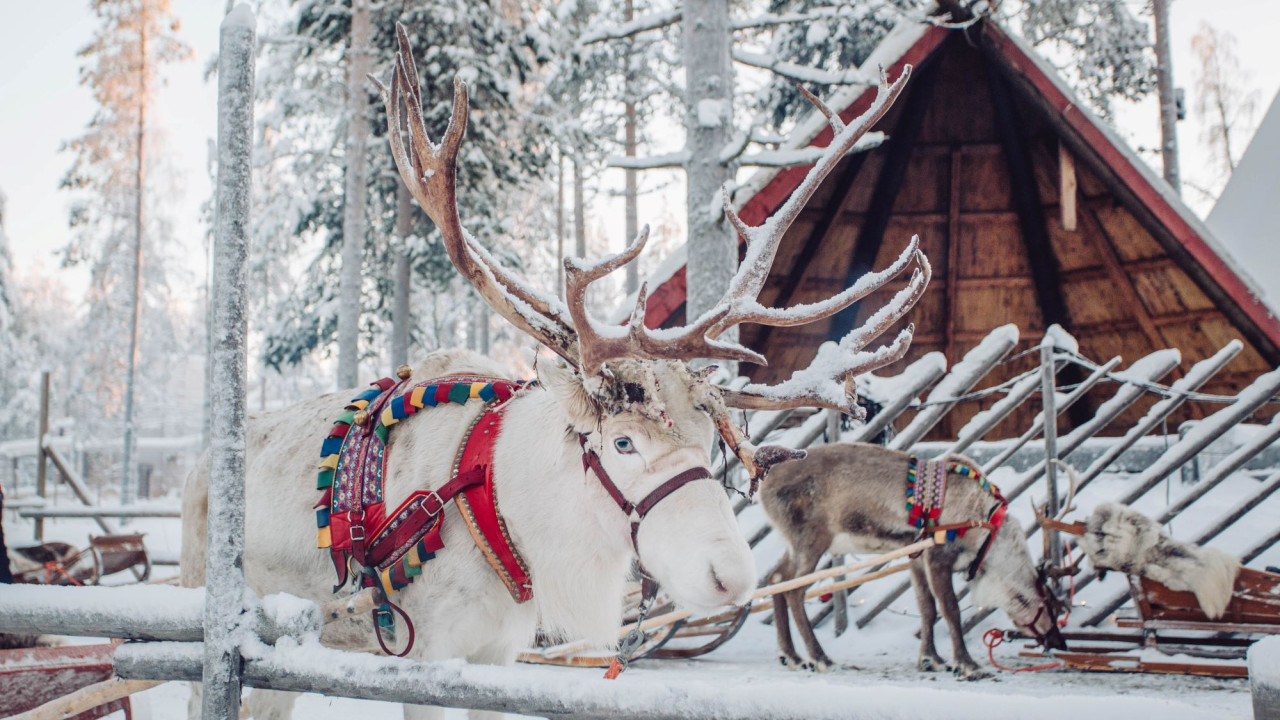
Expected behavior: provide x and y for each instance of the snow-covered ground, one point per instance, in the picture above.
(880, 658)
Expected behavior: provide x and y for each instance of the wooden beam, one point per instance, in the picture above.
(953, 254)
(1031, 222)
(1104, 244)
(817, 236)
(902, 139)
(1027, 205)
(1067, 187)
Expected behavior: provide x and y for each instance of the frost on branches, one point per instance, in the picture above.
(299, 174)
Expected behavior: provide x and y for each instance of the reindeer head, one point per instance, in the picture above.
(628, 390)
(1009, 579)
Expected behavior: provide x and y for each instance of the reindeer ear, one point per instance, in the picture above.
(563, 382)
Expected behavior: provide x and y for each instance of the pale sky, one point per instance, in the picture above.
(42, 105)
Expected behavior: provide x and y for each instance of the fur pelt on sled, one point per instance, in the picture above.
(1118, 538)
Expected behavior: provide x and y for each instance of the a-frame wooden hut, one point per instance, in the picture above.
(1031, 209)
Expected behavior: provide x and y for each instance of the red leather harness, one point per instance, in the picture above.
(390, 548)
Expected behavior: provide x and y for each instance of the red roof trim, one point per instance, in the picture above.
(670, 295)
(1138, 183)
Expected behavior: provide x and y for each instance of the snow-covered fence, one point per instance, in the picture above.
(1081, 447)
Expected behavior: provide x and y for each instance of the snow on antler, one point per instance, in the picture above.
(430, 173)
(828, 381)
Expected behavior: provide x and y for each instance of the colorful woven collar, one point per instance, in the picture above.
(390, 548)
(927, 492)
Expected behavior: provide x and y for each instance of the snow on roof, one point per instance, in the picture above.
(1247, 217)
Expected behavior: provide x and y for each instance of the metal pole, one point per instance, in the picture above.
(42, 456)
(224, 570)
(1048, 387)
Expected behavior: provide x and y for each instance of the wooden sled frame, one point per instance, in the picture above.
(106, 555)
(1254, 610)
(34, 677)
(667, 625)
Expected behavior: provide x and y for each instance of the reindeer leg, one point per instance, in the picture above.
(786, 646)
(940, 566)
(929, 660)
(818, 660)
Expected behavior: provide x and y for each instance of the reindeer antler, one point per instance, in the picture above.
(430, 171)
(740, 303)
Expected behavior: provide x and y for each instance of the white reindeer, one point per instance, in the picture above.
(626, 390)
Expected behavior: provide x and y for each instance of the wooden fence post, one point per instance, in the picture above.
(1048, 388)
(224, 589)
(42, 457)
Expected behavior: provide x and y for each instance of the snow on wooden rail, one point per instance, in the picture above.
(952, 387)
(158, 612)
(131, 511)
(636, 695)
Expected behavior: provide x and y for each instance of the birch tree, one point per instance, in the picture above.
(112, 212)
(353, 212)
(1224, 103)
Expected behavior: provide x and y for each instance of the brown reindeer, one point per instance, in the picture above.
(851, 498)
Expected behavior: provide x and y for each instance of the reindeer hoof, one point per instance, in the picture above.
(970, 672)
(790, 662)
(933, 663)
(820, 666)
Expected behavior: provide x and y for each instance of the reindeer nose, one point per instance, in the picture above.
(732, 587)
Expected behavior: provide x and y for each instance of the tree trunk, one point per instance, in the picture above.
(560, 230)
(353, 216)
(579, 212)
(628, 91)
(400, 303)
(1168, 97)
(135, 316)
(713, 246)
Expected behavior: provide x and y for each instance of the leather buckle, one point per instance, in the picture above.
(439, 503)
(357, 523)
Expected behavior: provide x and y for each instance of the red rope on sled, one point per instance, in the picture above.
(994, 637)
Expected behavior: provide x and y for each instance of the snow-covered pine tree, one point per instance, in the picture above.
(116, 219)
(491, 45)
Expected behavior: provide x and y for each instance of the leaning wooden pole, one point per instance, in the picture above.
(224, 590)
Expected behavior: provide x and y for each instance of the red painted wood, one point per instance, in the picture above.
(30, 677)
(670, 295)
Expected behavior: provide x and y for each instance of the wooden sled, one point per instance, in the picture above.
(31, 677)
(61, 564)
(1254, 610)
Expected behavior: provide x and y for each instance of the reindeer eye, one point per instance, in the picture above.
(624, 445)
